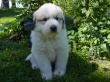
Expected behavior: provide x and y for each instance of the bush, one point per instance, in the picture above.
(92, 38)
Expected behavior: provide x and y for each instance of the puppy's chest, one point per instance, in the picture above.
(49, 49)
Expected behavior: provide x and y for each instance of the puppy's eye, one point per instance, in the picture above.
(44, 19)
(56, 18)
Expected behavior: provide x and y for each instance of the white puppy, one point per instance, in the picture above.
(49, 41)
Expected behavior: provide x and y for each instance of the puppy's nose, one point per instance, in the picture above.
(53, 28)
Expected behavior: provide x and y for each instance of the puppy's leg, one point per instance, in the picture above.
(44, 66)
(61, 62)
(32, 61)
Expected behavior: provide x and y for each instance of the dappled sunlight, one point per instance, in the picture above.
(4, 20)
(104, 67)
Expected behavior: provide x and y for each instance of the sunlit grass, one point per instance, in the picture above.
(4, 20)
(7, 21)
(6, 25)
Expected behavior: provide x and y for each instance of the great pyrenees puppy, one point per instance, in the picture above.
(49, 41)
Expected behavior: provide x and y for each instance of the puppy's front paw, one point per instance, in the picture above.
(46, 76)
(32, 61)
(59, 72)
(34, 66)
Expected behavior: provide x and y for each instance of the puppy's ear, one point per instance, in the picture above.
(34, 17)
(28, 24)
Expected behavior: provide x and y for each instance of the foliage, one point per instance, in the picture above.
(93, 27)
(92, 37)
(30, 6)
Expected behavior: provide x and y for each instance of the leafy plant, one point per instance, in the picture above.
(93, 27)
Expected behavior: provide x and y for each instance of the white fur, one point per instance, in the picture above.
(47, 46)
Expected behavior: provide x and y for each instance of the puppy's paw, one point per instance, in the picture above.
(59, 72)
(34, 66)
(32, 61)
(46, 76)
(28, 57)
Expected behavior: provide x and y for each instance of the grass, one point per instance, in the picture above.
(8, 21)
(3, 20)
(14, 68)
(9, 15)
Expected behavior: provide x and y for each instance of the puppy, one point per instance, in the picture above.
(49, 41)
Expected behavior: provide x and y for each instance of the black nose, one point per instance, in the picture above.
(53, 28)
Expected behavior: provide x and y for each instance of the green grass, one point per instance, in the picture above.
(14, 68)
(8, 21)
(8, 15)
(4, 20)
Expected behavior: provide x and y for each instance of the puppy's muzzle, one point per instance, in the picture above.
(53, 28)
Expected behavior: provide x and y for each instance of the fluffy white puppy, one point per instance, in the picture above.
(49, 41)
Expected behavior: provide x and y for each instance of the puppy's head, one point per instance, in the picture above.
(49, 19)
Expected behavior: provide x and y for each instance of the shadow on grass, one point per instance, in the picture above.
(9, 12)
(79, 66)
(80, 70)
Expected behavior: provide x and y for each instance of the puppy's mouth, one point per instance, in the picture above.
(51, 35)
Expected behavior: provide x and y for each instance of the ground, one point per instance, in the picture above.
(14, 68)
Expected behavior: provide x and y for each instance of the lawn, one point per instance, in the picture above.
(14, 68)
(7, 21)
(7, 16)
